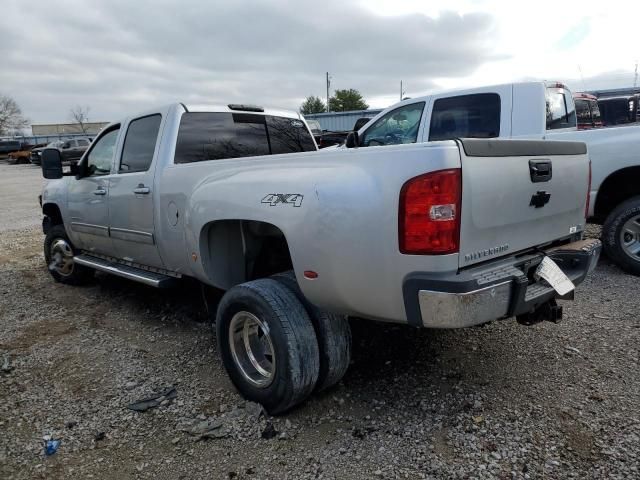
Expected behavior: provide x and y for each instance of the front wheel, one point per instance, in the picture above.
(268, 344)
(621, 235)
(59, 253)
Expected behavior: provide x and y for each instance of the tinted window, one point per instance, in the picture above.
(560, 112)
(83, 143)
(101, 155)
(216, 136)
(395, 127)
(288, 135)
(582, 112)
(617, 111)
(466, 116)
(139, 144)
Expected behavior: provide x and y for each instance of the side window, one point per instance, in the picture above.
(289, 135)
(396, 127)
(83, 143)
(216, 136)
(560, 111)
(140, 144)
(101, 155)
(465, 116)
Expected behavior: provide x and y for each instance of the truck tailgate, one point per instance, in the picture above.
(518, 194)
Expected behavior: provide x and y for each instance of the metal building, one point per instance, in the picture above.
(341, 121)
(90, 128)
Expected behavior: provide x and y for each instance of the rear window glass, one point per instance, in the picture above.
(288, 135)
(466, 116)
(582, 112)
(560, 112)
(217, 136)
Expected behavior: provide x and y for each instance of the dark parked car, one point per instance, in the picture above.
(8, 146)
(71, 150)
(620, 110)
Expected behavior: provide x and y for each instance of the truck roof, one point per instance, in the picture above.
(470, 91)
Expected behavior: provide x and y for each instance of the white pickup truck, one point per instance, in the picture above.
(424, 234)
(530, 110)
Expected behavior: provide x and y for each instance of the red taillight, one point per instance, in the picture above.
(586, 208)
(429, 216)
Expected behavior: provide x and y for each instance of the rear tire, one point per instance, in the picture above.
(333, 333)
(59, 253)
(268, 344)
(621, 235)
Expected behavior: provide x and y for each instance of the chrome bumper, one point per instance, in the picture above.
(502, 290)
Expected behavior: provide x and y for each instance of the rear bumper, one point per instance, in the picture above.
(492, 291)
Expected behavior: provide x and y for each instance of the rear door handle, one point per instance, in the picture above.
(141, 189)
(100, 191)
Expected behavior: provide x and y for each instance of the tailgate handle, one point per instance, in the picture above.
(540, 170)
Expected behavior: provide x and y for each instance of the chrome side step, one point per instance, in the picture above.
(152, 279)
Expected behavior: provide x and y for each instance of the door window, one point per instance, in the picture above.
(396, 127)
(140, 144)
(101, 155)
(83, 143)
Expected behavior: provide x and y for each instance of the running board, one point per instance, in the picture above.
(152, 279)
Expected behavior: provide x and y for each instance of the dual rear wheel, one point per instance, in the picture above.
(278, 348)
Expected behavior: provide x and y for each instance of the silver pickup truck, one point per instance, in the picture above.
(440, 235)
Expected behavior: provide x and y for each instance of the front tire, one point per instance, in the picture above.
(59, 253)
(268, 344)
(621, 235)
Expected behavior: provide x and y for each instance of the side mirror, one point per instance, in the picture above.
(51, 163)
(352, 140)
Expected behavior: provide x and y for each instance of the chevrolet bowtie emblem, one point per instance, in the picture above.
(539, 199)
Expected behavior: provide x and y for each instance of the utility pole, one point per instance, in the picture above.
(401, 92)
(328, 84)
(635, 78)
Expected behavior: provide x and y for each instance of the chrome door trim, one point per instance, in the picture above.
(132, 235)
(99, 230)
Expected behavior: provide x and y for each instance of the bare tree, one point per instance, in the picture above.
(80, 115)
(11, 118)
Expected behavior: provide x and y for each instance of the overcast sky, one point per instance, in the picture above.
(120, 56)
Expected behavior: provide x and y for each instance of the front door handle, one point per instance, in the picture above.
(100, 191)
(141, 189)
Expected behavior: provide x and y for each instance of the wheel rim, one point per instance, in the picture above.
(61, 256)
(252, 349)
(630, 237)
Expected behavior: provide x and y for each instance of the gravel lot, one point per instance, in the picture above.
(503, 401)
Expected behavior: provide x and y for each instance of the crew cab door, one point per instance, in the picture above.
(131, 199)
(88, 196)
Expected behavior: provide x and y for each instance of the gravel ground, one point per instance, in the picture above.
(502, 401)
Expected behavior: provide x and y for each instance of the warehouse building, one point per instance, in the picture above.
(341, 121)
(52, 129)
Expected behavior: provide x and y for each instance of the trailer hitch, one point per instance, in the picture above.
(549, 311)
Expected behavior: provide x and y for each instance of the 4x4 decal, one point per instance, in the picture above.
(274, 199)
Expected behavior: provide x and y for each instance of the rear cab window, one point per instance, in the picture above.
(560, 110)
(465, 116)
(206, 136)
